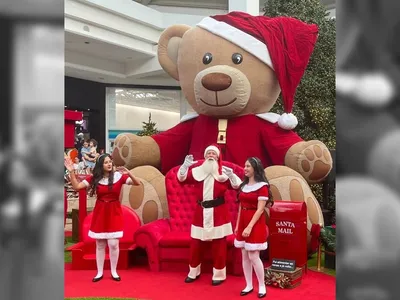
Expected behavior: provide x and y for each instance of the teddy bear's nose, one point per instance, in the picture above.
(216, 82)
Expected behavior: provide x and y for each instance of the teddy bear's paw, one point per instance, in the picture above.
(122, 152)
(148, 199)
(315, 162)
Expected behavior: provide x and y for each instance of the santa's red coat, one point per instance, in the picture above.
(246, 136)
(210, 223)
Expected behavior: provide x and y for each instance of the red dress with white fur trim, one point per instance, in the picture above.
(249, 197)
(107, 221)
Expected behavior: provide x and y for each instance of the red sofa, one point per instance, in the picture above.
(167, 241)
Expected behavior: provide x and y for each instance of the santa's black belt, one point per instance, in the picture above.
(249, 208)
(211, 203)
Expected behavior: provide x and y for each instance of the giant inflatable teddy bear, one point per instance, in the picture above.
(231, 69)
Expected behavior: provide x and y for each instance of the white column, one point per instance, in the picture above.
(111, 113)
(251, 7)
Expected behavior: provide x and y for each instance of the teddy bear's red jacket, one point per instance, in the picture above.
(246, 136)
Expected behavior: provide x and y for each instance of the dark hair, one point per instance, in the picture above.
(98, 174)
(94, 142)
(259, 176)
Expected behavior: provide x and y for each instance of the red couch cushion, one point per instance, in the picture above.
(182, 200)
(176, 239)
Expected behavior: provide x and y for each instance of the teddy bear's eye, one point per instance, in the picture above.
(207, 58)
(237, 58)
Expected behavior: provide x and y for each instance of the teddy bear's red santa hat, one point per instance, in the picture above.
(284, 44)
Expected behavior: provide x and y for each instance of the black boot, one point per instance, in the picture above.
(190, 280)
(217, 282)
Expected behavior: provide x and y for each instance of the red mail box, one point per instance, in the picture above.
(288, 232)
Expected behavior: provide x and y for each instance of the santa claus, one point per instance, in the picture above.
(211, 219)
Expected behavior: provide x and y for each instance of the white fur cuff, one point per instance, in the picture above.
(250, 246)
(238, 244)
(254, 247)
(106, 235)
(182, 173)
(219, 274)
(235, 181)
(194, 272)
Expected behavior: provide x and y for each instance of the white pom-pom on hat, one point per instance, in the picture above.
(375, 89)
(371, 89)
(287, 121)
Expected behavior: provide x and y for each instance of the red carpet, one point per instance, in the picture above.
(140, 283)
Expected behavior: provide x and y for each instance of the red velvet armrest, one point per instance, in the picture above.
(153, 231)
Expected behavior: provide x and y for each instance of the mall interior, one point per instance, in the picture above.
(112, 73)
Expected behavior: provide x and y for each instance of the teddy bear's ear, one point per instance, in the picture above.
(168, 48)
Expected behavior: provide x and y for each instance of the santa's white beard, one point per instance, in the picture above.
(210, 166)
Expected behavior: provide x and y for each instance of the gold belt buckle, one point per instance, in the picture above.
(222, 137)
(222, 125)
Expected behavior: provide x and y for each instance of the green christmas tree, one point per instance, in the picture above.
(314, 103)
(149, 128)
(315, 99)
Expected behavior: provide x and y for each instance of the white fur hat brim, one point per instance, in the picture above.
(211, 148)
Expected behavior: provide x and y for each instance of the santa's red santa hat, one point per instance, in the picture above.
(284, 44)
(217, 150)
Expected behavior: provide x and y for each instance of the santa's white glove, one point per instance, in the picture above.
(188, 161)
(234, 179)
(186, 165)
(227, 171)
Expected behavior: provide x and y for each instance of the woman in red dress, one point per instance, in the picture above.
(107, 222)
(251, 228)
